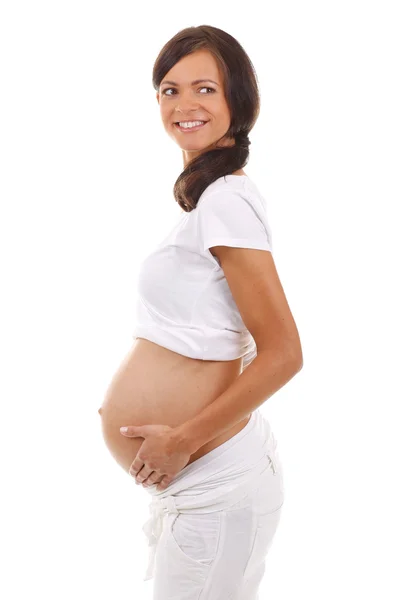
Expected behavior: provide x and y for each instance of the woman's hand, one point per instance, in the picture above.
(162, 455)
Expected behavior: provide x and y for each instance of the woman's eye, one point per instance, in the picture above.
(202, 88)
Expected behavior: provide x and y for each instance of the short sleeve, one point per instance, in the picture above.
(228, 217)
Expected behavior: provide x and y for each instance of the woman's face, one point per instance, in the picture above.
(180, 99)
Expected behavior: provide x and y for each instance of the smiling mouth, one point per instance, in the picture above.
(185, 129)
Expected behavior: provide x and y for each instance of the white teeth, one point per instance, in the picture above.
(189, 124)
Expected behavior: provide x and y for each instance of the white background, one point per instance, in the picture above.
(87, 172)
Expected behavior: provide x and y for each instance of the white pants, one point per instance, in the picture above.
(212, 527)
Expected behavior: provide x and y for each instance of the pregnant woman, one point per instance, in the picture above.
(214, 339)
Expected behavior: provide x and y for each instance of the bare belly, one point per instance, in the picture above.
(154, 385)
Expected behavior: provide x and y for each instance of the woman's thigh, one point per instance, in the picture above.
(220, 555)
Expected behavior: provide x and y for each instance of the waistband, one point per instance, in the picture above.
(215, 481)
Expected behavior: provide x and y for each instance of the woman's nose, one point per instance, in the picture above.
(187, 102)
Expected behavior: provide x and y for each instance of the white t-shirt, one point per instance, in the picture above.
(184, 302)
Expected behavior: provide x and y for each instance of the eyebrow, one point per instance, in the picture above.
(193, 82)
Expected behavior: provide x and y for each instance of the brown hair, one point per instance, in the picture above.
(242, 96)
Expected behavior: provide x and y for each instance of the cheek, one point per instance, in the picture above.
(167, 121)
(165, 114)
(219, 111)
